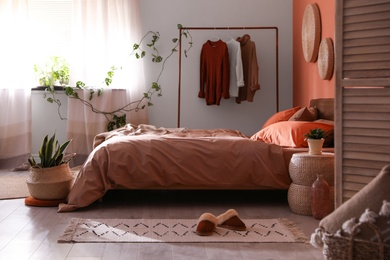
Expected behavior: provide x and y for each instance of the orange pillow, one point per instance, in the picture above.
(280, 116)
(289, 133)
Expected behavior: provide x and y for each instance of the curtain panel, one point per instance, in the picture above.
(16, 76)
(15, 127)
(104, 32)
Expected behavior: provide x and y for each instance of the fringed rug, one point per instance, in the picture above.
(177, 231)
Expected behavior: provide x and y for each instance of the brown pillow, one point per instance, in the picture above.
(302, 114)
(313, 112)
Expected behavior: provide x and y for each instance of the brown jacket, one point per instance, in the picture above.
(250, 69)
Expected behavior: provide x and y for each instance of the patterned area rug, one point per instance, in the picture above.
(177, 231)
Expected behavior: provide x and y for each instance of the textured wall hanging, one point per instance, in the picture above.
(326, 59)
(311, 32)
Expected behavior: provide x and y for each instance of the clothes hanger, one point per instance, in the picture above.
(228, 37)
(214, 37)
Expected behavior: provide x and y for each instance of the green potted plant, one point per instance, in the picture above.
(315, 140)
(51, 178)
(55, 72)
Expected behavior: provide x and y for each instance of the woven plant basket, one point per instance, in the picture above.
(50, 183)
(348, 247)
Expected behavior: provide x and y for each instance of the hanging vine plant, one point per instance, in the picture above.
(117, 118)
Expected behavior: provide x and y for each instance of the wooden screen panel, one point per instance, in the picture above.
(365, 136)
(366, 39)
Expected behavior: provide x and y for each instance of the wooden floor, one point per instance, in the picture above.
(31, 232)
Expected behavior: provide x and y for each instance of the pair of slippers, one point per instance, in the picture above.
(207, 222)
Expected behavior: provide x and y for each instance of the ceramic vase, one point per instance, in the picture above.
(321, 204)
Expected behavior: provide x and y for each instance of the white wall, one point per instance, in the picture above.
(163, 16)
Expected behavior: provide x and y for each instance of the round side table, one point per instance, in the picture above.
(303, 169)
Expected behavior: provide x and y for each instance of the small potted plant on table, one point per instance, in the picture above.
(51, 178)
(315, 140)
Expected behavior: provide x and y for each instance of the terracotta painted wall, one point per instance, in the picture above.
(307, 83)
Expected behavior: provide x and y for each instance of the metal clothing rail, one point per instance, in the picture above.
(230, 28)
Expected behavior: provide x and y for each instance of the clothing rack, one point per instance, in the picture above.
(230, 28)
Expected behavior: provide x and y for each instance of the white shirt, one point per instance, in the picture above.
(236, 72)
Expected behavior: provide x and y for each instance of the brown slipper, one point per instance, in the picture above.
(207, 223)
(230, 220)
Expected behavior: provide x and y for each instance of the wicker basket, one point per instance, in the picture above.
(50, 183)
(348, 247)
(50, 190)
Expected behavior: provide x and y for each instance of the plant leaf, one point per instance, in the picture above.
(64, 146)
(41, 151)
(48, 151)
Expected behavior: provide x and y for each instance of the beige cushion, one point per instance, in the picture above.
(371, 196)
(325, 107)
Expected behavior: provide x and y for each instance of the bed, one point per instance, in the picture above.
(150, 157)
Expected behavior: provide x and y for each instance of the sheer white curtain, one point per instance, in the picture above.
(15, 85)
(104, 32)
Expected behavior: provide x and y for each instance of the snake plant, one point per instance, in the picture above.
(51, 153)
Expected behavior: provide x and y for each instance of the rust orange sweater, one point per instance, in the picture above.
(214, 72)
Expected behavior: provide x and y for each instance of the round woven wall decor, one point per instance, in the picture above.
(326, 59)
(311, 32)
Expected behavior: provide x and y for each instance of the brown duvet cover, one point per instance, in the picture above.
(146, 157)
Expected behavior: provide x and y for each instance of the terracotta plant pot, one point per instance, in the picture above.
(50, 183)
(315, 146)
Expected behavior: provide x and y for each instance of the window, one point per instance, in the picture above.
(50, 24)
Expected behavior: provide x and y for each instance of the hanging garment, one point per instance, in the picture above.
(236, 71)
(214, 72)
(250, 68)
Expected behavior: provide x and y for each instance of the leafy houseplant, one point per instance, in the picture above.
(54, 72)
(51, 153)
(116, 118)
(51, 178)
(51, 75)
(316, 133)
(315, 140)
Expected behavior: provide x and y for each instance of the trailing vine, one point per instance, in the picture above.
(117, 117)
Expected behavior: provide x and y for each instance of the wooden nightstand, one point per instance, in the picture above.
(303, 169)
